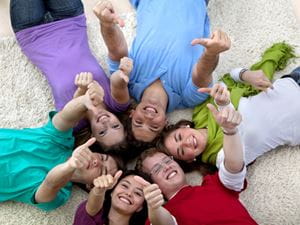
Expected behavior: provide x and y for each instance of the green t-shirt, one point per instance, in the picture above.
(26, 156)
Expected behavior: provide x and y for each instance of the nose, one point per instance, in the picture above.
(95, 162)
(149, 115)
(166, 167)
(188, 142)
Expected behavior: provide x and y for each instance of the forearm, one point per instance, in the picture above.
(71, 114)
(119, 88)
(57, 178)
(202, 71)
(95, 201)
(114, 40)
(233, 153)
(160, 216)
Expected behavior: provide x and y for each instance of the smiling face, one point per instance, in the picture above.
(148, 120)
(99, 164)
(165, 172)
(128, 196)
(107, 128)
(185, 143)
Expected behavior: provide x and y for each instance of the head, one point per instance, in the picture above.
(127, 198)
(106, 128)
(98, 165)
(182, 141)
(163, 170)
(147, 121)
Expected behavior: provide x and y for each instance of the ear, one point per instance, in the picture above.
(131, 113)
(140, 208)
(89, 186)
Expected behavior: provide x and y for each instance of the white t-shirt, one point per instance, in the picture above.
(270, 119)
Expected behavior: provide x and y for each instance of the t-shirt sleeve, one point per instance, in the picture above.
(113, 66)
(191, 96)
(61, 198)
(83, 218)
(51, 129)
(135, 3)
(232, 181)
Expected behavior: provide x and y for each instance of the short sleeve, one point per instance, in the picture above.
(191, 96)
(113, 66)
(135, 3)
(232, 181)
(61, 198)
(83, 218)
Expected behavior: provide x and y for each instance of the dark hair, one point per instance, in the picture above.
(138, 218)
(140, 159)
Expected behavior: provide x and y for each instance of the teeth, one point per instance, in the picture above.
(195, 142)
(150, 109)
(125, 200)
(172, 174)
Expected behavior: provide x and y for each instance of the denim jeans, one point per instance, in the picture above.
(29, 13)
(295, 75)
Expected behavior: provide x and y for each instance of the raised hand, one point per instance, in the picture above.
(228, 118)
(82, 155)
(106, 14)
(106, 182)
(257, 79)
(219, 42)
(83, 79)
(152, 194)
(219, 92)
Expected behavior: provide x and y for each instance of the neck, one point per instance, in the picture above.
(90, 113)
(116, 218)
(171, 194)
(156, 93)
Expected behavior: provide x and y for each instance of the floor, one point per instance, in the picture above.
(121, 6)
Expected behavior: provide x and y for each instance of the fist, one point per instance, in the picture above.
(257, 79)
(126, 65)
(219, 92)
(219, 42)
(105, 13)
(83, 79)
(82, 155)
(95, 93)
(107, 181)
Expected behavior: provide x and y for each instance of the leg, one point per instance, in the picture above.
(64, 9)
(25, 14)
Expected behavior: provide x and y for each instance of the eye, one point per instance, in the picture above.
(179, 137)
(139, 194)
(138, 122)
(102, 133)
(116, 126)
(124, 185)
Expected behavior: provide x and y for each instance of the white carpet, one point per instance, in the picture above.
(272, 196)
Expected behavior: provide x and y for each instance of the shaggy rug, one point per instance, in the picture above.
(272, 195)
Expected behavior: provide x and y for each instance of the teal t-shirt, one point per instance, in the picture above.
(26, 157)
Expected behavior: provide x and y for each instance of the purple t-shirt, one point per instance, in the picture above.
(83, 218)
(60, 50)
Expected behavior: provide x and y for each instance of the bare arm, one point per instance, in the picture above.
(202, 71)
(60, 175)
(119, 81)
(111, 33)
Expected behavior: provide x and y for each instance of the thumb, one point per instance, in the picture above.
(142, 181)
(117, 176)
(205, 90)
(119, 20)
(200, 41)
(90, 142)
(213, 110)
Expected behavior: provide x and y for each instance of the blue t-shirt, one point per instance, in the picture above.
(26, 157)
(162, 49)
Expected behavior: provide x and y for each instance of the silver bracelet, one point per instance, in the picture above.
(241, 73)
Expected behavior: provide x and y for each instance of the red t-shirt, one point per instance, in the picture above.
(210, 203)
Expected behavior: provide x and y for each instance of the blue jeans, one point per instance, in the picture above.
(295, 75)
(29, 13)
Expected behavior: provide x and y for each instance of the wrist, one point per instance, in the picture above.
(229, 132)
(98, 191)
(242, 73)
